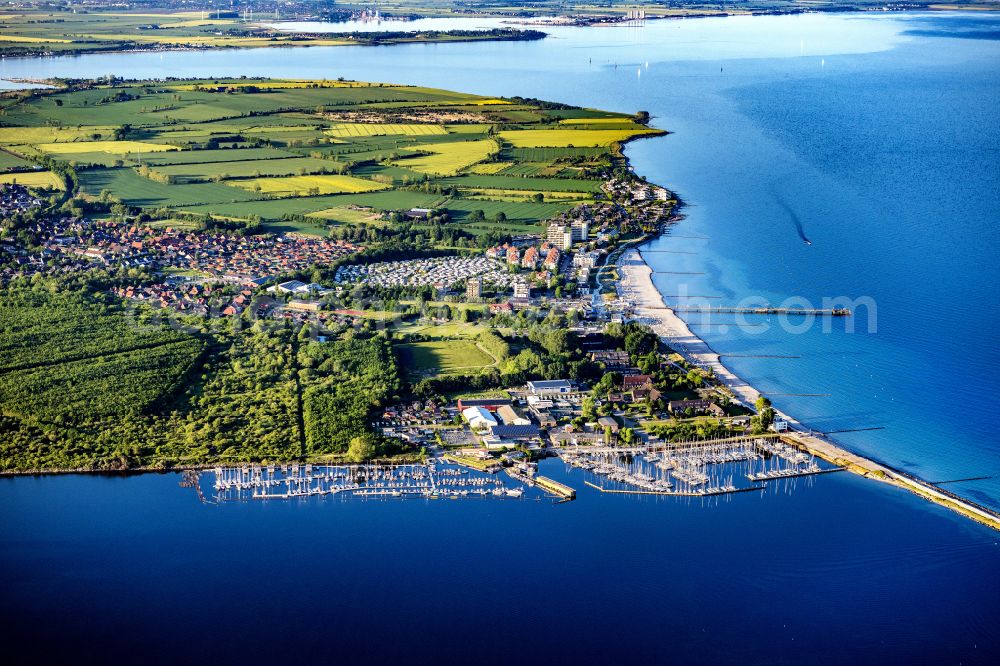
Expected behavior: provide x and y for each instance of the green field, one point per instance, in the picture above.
(442, 357)
(275, 208)
(344, 214)
(216, 156)
(513, 183)
(9, 161)
(135, 190)
(201, 171)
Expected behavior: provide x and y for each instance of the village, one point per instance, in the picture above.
(220, 274)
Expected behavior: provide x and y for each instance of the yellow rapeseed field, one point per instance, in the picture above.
(45, 179)
(595, 121)
(447, 159)
(308, 185)
(568, 137)
(32, 40)
(112, 147)
(35, 135)
(384, 129)
(489, 168)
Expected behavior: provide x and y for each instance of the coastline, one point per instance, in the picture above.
(635, 284)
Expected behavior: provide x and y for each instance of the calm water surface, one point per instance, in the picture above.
(873, 137)
(820, 572)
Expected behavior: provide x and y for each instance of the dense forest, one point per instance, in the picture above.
(87, 384)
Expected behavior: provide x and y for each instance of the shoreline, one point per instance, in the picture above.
(635, 284)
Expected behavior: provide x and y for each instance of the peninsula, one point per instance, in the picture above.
(48, 31)
(233, 272)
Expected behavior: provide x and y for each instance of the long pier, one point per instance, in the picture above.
(724, 309)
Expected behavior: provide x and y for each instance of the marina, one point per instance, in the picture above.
(687, 469)
(433, 480)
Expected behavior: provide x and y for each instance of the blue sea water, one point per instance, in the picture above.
(875, 138)
(115, 570)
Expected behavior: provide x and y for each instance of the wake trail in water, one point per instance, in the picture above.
(791, 214)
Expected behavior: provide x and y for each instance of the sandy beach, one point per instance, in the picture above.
(635, 285)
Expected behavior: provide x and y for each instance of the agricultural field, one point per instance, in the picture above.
(275, 209)
(205, 171)
(44, 180)
(346, 215)
(216, 156)
(135, 190)
(514, 183)
(111, 147)
(447, 159)
(340, 152)
(492, 194)
(568, 137)
(523, 213)
(9, 162)
(383, 129)
(37, 135)
(490, 167)
(310, 185)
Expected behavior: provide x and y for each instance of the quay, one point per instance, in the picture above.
(490, 466)
(554, 487)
